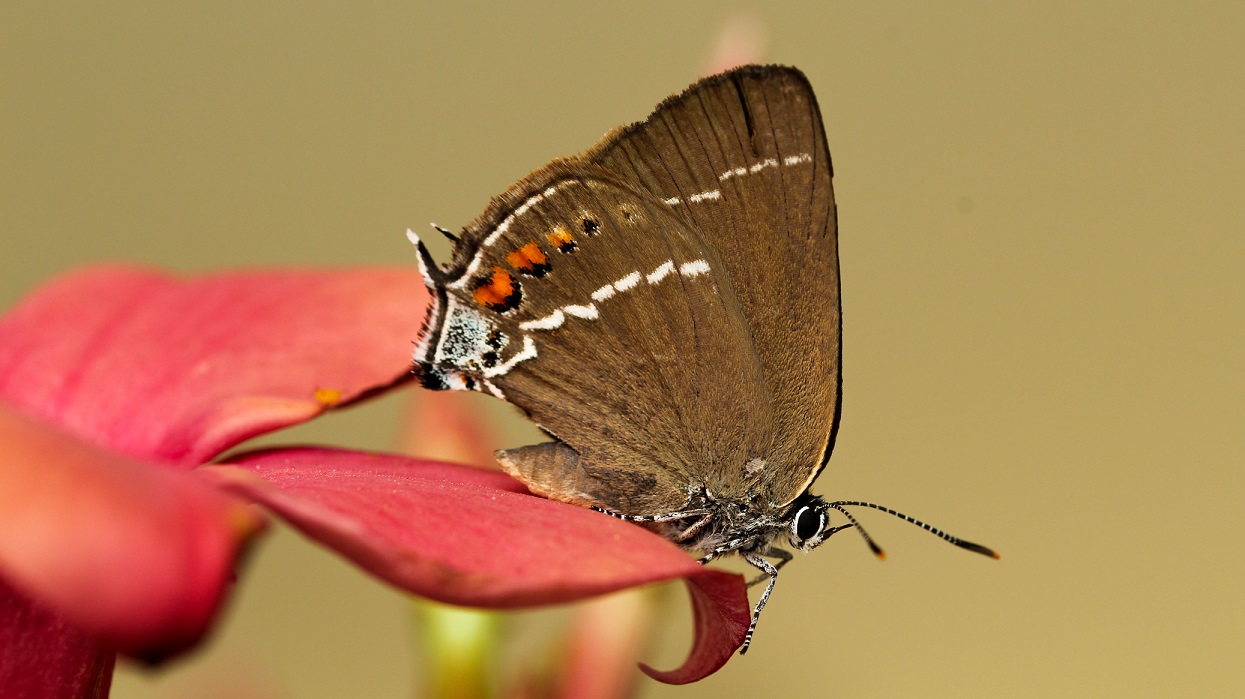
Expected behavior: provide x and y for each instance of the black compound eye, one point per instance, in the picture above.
(809, 523)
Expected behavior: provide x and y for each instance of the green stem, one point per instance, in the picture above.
(459, 649)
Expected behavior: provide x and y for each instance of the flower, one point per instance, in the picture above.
(119, 385)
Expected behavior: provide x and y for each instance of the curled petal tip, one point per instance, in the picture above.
(721, 616)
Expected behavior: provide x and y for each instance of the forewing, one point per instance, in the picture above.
(742, 157)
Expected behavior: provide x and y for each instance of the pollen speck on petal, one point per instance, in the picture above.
(328, 396)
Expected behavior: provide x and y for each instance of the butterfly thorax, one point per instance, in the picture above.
(715, 523)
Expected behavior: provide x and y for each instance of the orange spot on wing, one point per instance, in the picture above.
(527, 258)
(497, 291)
(562, 239)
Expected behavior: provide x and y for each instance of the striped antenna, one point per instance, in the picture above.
(976, 548)
(873, 546)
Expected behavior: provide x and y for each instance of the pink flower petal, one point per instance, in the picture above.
(455, 534)
(43, 656)
(137, 556)
(473, 537)
(720, 623)
(178, 370)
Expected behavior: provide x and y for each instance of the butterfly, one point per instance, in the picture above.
(665, 306)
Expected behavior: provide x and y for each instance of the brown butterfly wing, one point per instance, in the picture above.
(727, 379)
(742, 156)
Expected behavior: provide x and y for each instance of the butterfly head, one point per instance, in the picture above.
(808, 523)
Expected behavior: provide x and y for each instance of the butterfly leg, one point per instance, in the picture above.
(668, 517)
(729, 546)
(772, 572)
(703, 517)
(694, 528)
(782, 556)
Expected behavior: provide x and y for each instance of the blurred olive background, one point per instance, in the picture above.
(1042, 245)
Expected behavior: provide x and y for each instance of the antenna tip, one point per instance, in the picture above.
(978, 548)
(877, 550)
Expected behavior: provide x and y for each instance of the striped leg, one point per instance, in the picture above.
(703, 517)
(772, 572)
(782, 556)
(726, 548)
